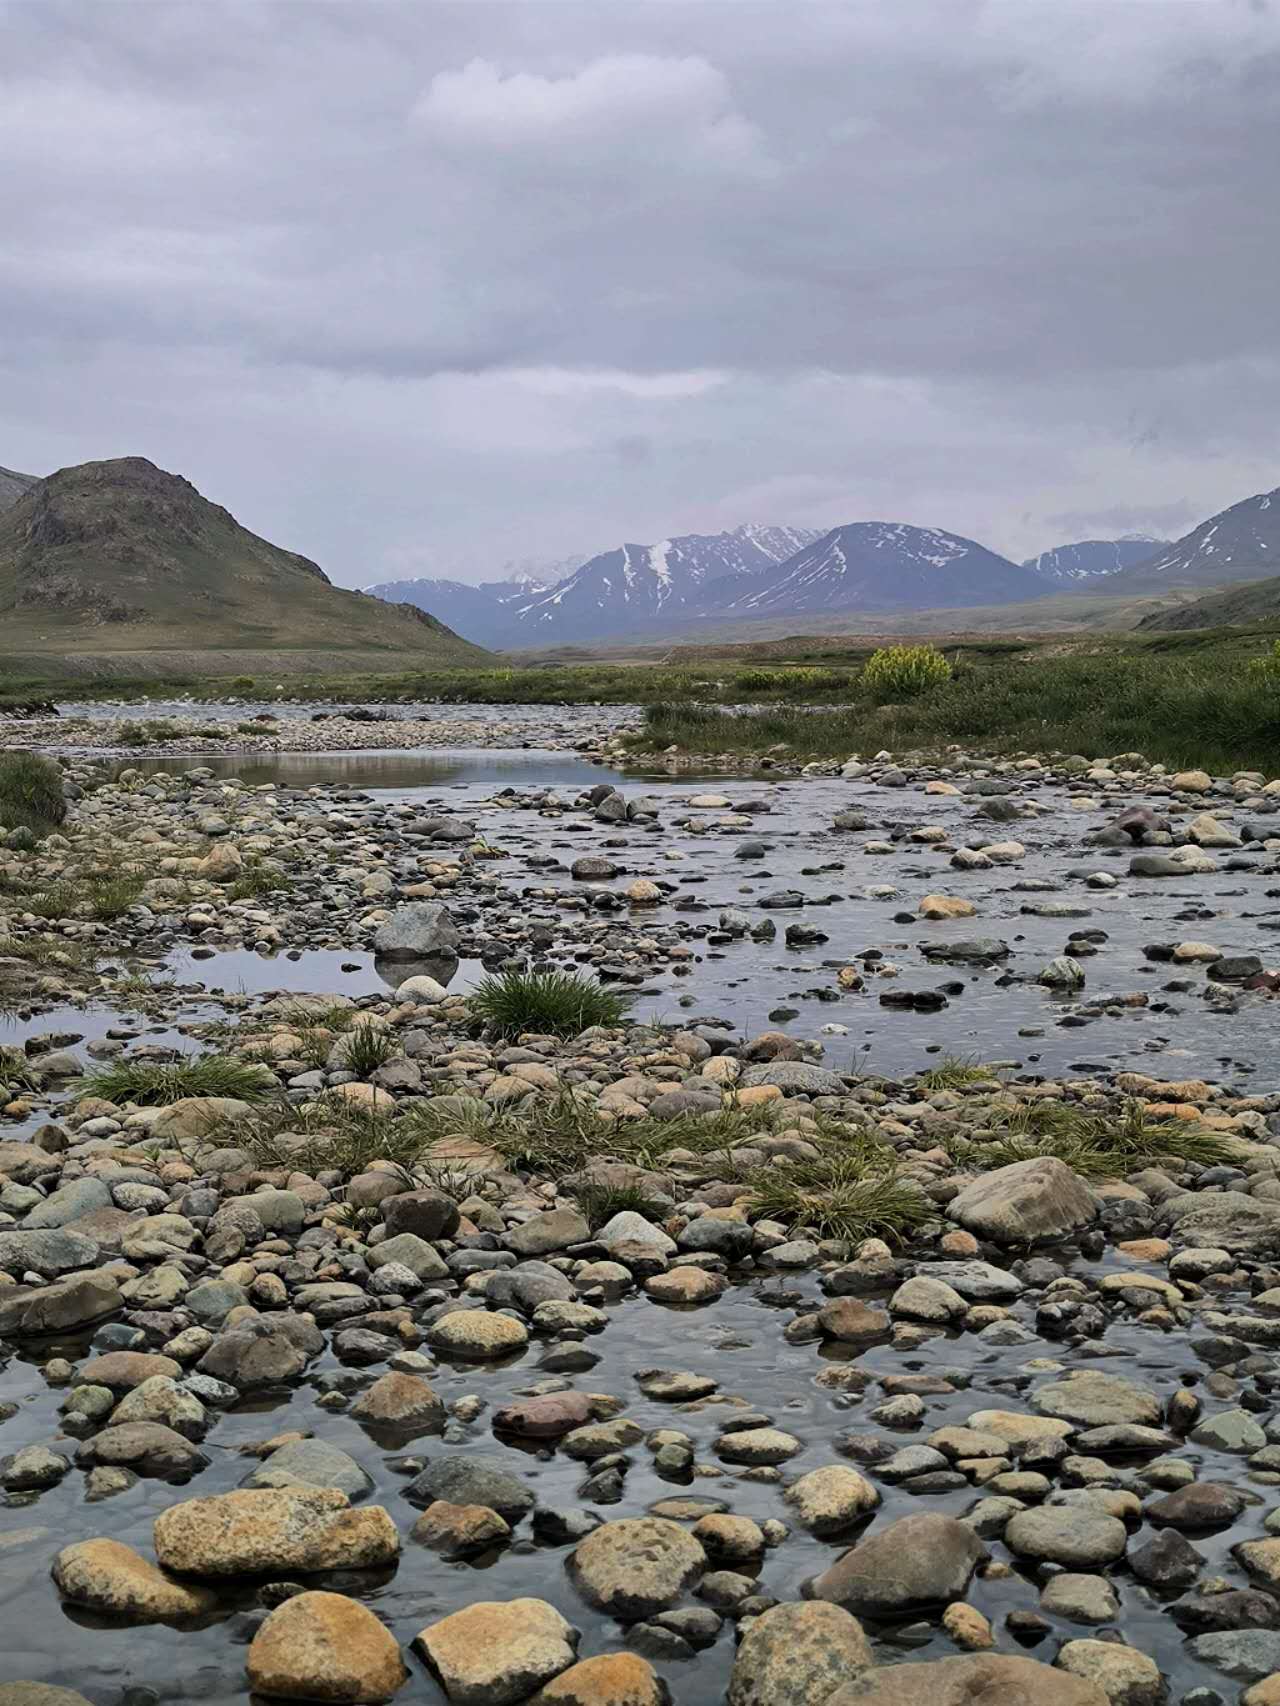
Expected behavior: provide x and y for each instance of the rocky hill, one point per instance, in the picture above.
(13, 485)
(1256, 601)
(121, 555)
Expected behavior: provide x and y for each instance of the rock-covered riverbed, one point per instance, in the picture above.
(438, 1364)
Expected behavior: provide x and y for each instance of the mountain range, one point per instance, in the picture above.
(122, 555)
(1090, 559)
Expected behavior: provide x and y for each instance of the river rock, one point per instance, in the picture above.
(637, 1566)
(417, 930)
(918, 1561)
(1025, 1202)
(1072, 1536)
(324, 1646)
(827, 1501)
(797, 1654)
(471, 1478)
(609, 1679)
(477, 1335)
(32, 1311)
(977, 1679)
(1093, 1400)
(312, 1463)
(495, 1652)
(112, 1579)
(276, 1531)
(1126, 1676)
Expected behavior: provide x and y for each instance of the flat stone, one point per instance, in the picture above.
(918, 1561)
(108, 1577)
(1092, 1399)
(1072, 1537)
(273, 1531)
(977, 1679)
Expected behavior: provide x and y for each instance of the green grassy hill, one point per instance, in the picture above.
(120, 559)
(1256, 601)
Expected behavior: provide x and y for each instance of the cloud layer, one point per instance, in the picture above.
(425, 287)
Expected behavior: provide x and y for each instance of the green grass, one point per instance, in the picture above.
(258, 878)
(599, 1203)
(14, 1071)
(31, 794)
(555, 1003)
(366, 1047)
(845, 1197)
(148, 731)
(1178, 704)
(1095, 1145)
(156, 1084)
(953, 1072)
(101, 897)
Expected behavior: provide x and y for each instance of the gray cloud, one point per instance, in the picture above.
(451, 283)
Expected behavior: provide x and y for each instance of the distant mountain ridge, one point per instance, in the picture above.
(122, 553)
(882, 565)
(482, 613)
(1090, 559)
(1241, 543)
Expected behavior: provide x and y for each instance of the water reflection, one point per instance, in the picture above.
(494, 767)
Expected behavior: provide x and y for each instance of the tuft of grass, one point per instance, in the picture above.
(155, 1084)
(143, 733)
(558, 1003)
(14, 1071)
(841, 1197)
(953, 1072)
(1097, 1146)
(31, 794)
(599, 1203)
(103, 897)
(330, 1134)
(257, 878)
(366, 1047)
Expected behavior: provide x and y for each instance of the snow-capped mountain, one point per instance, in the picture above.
(1088, 559)
(1238, 544)
(634, 587)
(881, 565)
(480, 613)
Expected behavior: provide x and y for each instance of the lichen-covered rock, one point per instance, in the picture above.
(497, 1651)
(256, 1531)
(326, 1647)
(108, 1577)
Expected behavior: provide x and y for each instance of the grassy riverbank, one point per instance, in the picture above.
(1176, 707)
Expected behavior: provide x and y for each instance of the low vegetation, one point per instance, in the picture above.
(1178, 705)
(904, 672)
(849, 1196)
(31, 794)
(1097, 1146)
(553, 1003)
(157, 1084)
(954, 1072)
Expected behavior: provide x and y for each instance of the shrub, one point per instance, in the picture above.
(31, 794)
(558, 1002)
(155, 1084)
(901, 672)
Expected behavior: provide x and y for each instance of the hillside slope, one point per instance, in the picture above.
(1241, 543)
(120, 556)
(13, 485)
(1256, 601)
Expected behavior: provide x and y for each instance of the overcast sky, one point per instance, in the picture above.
(419, 288)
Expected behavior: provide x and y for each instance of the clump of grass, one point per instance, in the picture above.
(558, 1003)
(14, 1071)
(953, 1072)
(840, 1197)
(257, 878)
(366, 1047)
(156, 1084)
(31, 794)
(1098, 1146)
(103, 897)
(143, 733)
(329, 1134)
(599, 1203)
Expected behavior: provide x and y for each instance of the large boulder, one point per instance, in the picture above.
(920, 1560)
(1224, 1220)
(324, 1646)
(197, 1116)
(418, 930)
(495, 1652)
(1025, 1203)
(33, 1311)
(797, 1655)
(977, 1679)
(256, 1532)
(1093, 1399)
